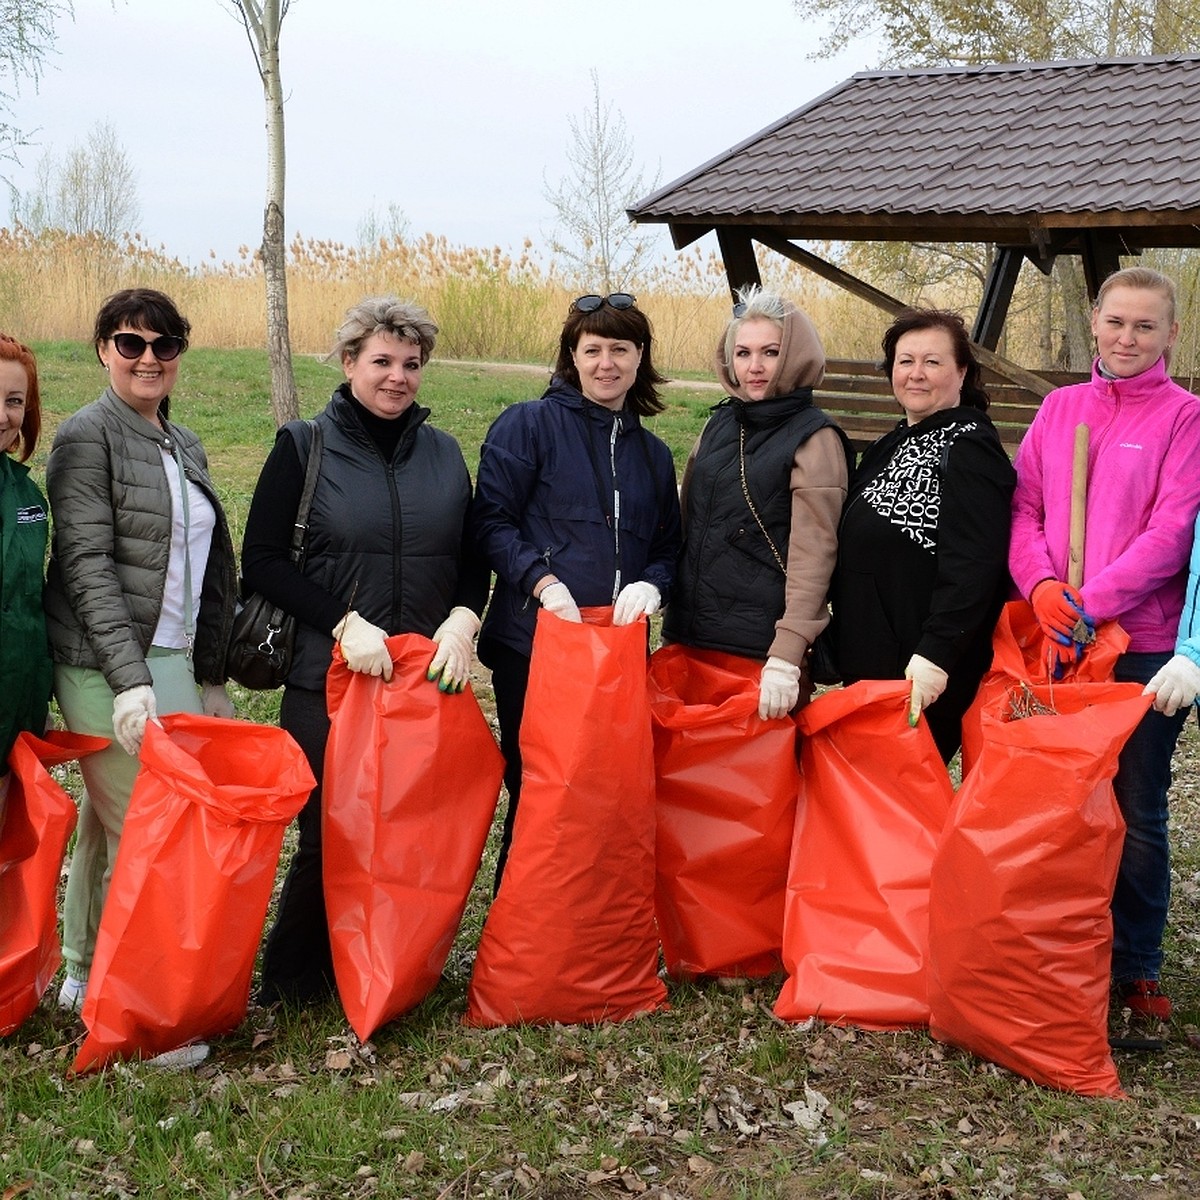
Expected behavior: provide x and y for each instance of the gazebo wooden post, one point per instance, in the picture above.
(997, 296)
(736, 244)
(1101, 257)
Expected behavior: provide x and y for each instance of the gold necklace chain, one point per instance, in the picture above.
(749, 502)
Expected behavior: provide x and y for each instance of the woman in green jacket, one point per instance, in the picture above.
(24, 656)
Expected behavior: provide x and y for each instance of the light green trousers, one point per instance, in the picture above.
(86, 702)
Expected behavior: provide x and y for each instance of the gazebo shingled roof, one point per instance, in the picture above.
(1096, 158)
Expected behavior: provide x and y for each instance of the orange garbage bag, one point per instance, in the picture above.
(1019, 654)
(571, 937)
(726, 785)
(38, 818)
(190, 888)
(412, 777)
(874, 796)
(1020, 924)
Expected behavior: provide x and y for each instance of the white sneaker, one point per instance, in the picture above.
(182, 1058)
(70, 995)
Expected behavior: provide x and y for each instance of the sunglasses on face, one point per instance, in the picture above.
(132, 345)
(615, 300)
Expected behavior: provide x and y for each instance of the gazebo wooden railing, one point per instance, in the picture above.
(859, 397)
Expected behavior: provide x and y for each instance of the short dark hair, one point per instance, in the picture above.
(911, 319)
(621, 324)
(31, 424)
(143, 308)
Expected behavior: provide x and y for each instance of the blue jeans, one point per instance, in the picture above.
(1144, 880)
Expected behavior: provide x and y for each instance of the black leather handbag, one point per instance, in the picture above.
(264, 636)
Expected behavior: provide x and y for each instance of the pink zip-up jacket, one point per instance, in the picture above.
(1142, 499)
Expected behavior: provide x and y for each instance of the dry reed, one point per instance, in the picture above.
(491, 304)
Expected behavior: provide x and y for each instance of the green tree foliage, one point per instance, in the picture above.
(938, 33)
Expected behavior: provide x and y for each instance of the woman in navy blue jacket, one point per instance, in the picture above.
(575, 504)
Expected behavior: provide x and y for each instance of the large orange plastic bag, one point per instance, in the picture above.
(1020, 924)
(411, 781)
(571, 934)
(726, 785)
(1020, 654)
(37, 823)
(874, 797)
(190, 888)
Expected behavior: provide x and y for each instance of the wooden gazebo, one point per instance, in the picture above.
(1099, 159)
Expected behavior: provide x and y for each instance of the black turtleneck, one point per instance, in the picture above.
(266, 545)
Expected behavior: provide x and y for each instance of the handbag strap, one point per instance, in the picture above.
(311, 471)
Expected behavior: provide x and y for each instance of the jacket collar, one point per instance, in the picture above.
(1136, 389)
(135, 423)
(763, 414)
(345, 410)
(561, 392)
(958, 415)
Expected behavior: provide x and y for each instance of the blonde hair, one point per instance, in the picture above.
(1144, 278)
(756, 305)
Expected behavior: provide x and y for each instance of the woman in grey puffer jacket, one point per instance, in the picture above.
(141, 585)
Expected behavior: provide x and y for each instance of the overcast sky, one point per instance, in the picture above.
(454, 110)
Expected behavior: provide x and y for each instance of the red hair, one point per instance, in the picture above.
(13, 351)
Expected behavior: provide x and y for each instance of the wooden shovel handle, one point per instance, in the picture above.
(1079, 471)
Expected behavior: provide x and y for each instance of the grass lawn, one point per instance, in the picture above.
(714, 1098)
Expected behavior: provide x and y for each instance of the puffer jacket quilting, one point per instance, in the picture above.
(111, 508)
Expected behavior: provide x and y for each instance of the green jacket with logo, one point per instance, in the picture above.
(25, 669)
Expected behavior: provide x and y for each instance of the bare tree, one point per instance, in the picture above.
(376, 227)
(262, 22)
(26, 37)
(599, 244)
(93, 190)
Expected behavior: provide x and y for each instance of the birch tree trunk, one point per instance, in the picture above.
(263, 22)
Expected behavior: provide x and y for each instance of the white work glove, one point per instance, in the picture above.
(556, 598)
(131, 710)
(1175, 686)
(928, 683)
(215, 701)
(778, 688)
(635, 600)
(362, 646)
(455, 638)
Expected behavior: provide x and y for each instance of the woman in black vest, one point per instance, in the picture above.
(387, 553)
(762, 493)
(923, 548)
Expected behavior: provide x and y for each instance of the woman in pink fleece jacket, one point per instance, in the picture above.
(1143, 497)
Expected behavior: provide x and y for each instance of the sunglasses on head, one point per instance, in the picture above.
(593, 302)
(165, 347)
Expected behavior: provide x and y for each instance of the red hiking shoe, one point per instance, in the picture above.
(1144, 998)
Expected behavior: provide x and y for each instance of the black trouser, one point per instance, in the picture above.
(297, 961)
(510, 681)
(945, 714)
